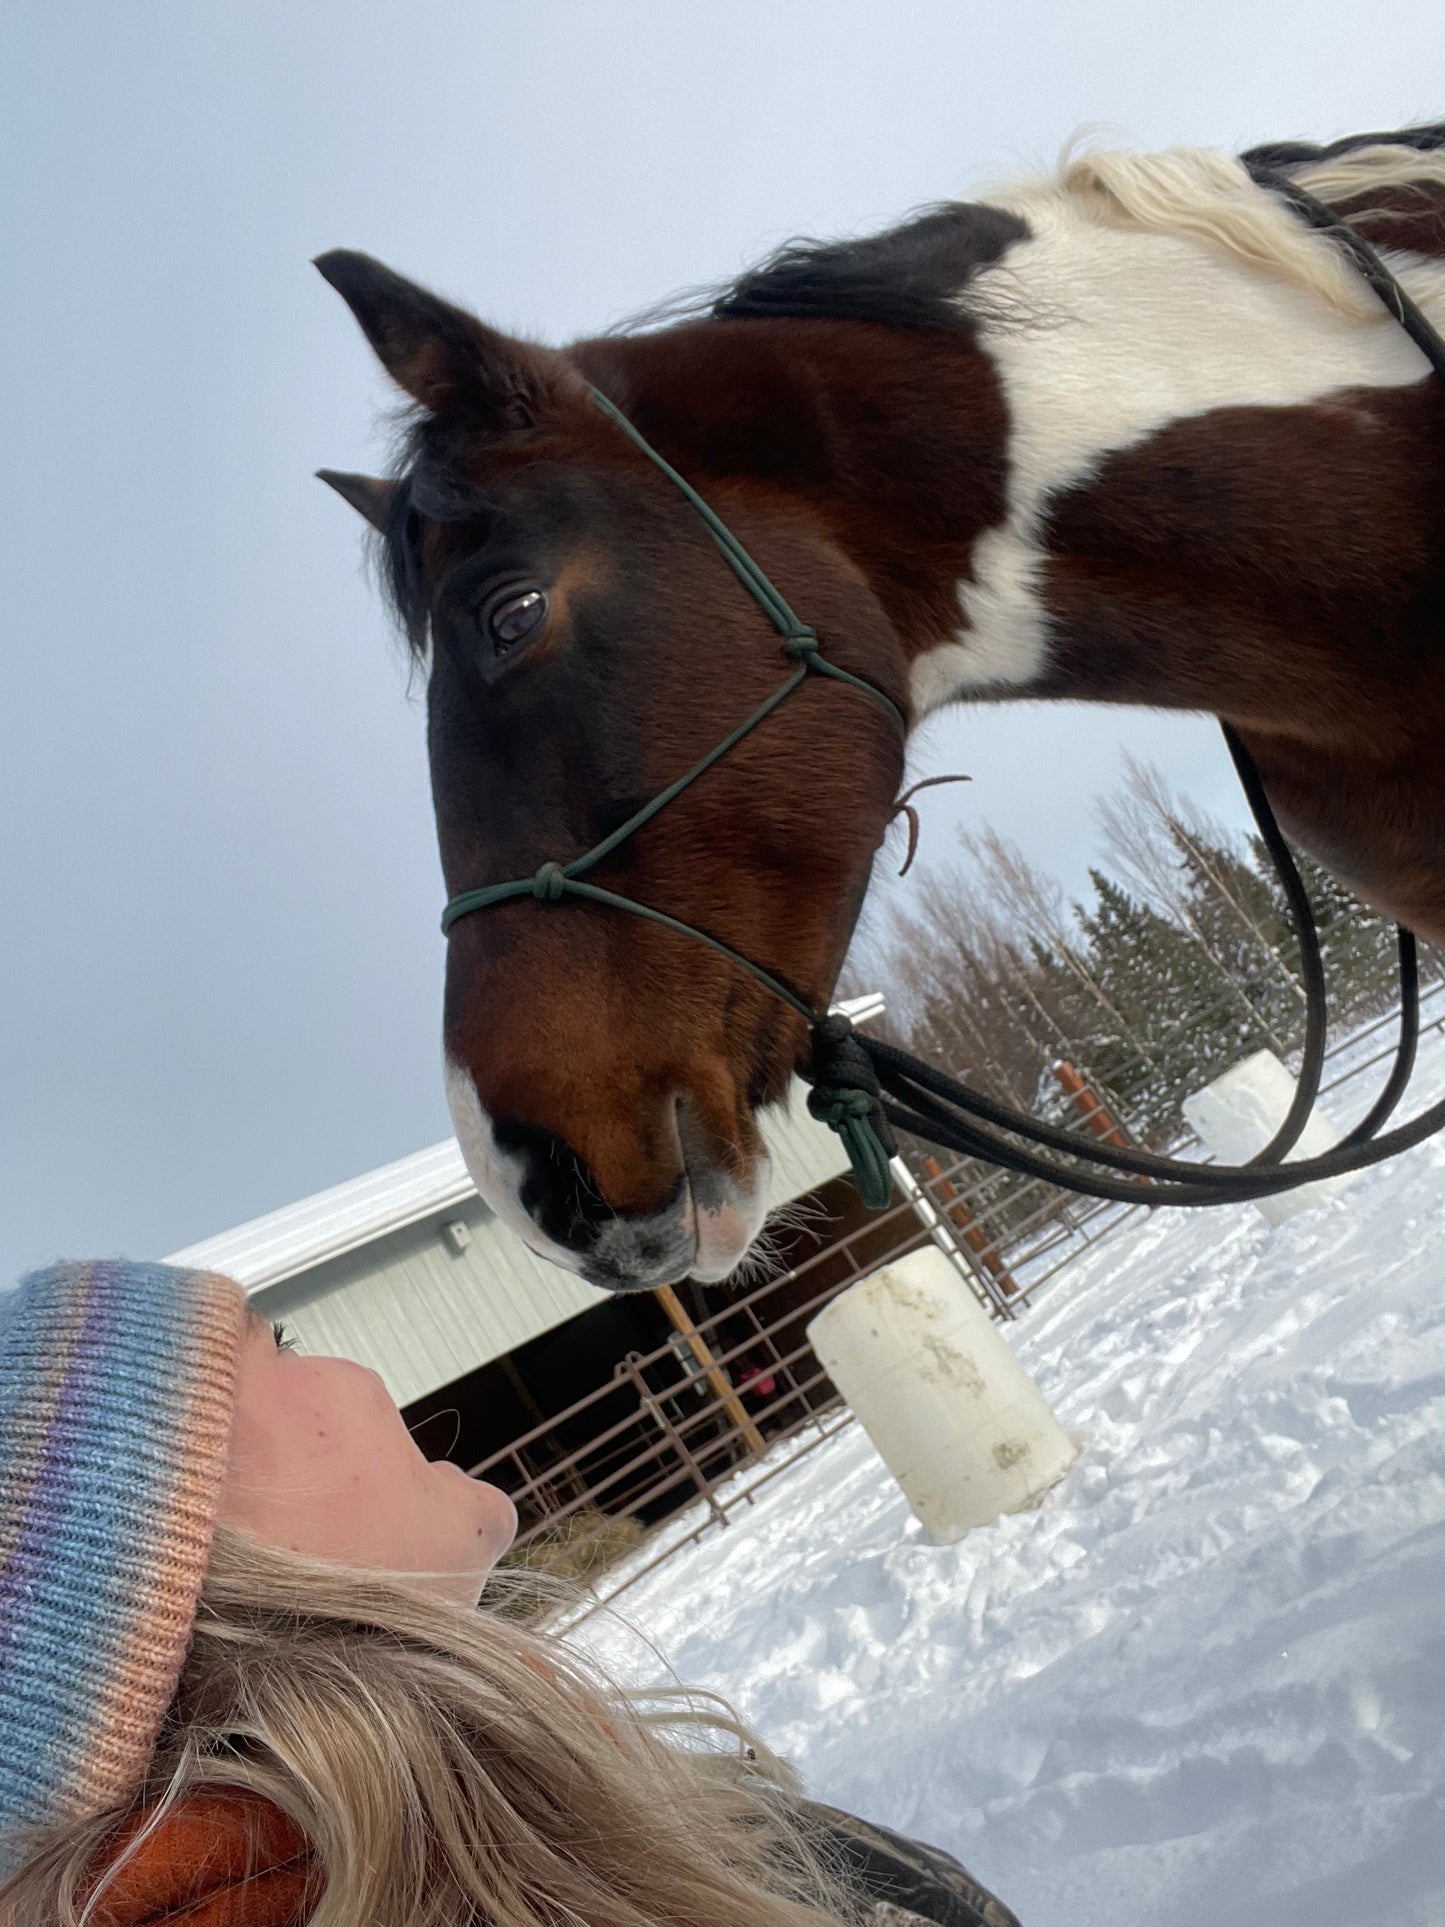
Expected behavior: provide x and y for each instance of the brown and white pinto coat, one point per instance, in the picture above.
(1131, 435)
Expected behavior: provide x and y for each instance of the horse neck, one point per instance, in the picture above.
(1143, 470)
(1218, 481)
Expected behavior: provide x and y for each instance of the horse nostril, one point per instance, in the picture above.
(558, 1191)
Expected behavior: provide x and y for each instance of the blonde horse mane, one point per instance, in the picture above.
(1205, 193)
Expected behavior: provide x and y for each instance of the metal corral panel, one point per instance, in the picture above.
(367, 1270)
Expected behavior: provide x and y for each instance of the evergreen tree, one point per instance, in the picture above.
(1230, 909)
(1357, 945)
(1179, 1021)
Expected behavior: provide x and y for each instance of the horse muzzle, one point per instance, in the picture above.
(538, 1186)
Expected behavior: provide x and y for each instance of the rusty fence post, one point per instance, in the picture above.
(1091, 1107)
(981, 1282)
(984, 1248)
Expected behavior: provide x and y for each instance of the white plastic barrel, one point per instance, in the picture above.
(931, 1379)
(1240, 1112)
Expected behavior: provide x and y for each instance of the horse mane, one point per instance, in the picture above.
(910, 276)
(914, 274)
(1209, 194)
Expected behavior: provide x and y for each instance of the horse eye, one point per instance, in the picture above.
(513, 619)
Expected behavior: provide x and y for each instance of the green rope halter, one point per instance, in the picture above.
(852, 1109)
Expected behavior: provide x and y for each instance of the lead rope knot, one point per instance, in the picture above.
(802, 644)
(550, 883)
(845, 1096)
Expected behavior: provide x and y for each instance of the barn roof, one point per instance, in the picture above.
(331, 1223)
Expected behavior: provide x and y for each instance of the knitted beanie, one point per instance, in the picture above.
(116, 1384)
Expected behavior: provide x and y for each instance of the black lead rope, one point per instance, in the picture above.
(866, 1089)
(1307, 942)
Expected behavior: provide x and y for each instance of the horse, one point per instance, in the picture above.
(1131, 433)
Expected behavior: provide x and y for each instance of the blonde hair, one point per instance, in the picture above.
(452, 1766)
(1204, 193)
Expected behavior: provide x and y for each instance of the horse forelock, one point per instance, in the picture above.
(432, 485)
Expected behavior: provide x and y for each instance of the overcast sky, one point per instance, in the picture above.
(220, 969)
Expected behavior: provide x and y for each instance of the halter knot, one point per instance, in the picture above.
(802, 644)
(550, 883)
(836, 1107)
(845, 1096)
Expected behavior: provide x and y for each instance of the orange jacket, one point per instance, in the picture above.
(222, 1859)
(216, 1860)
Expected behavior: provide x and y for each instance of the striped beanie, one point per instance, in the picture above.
(116, 1382)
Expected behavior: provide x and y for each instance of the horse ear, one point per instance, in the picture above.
(366, 493)
(445, 358)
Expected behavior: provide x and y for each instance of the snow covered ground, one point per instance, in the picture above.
(1204, 1684)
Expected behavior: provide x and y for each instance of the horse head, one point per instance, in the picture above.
(586, 644)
